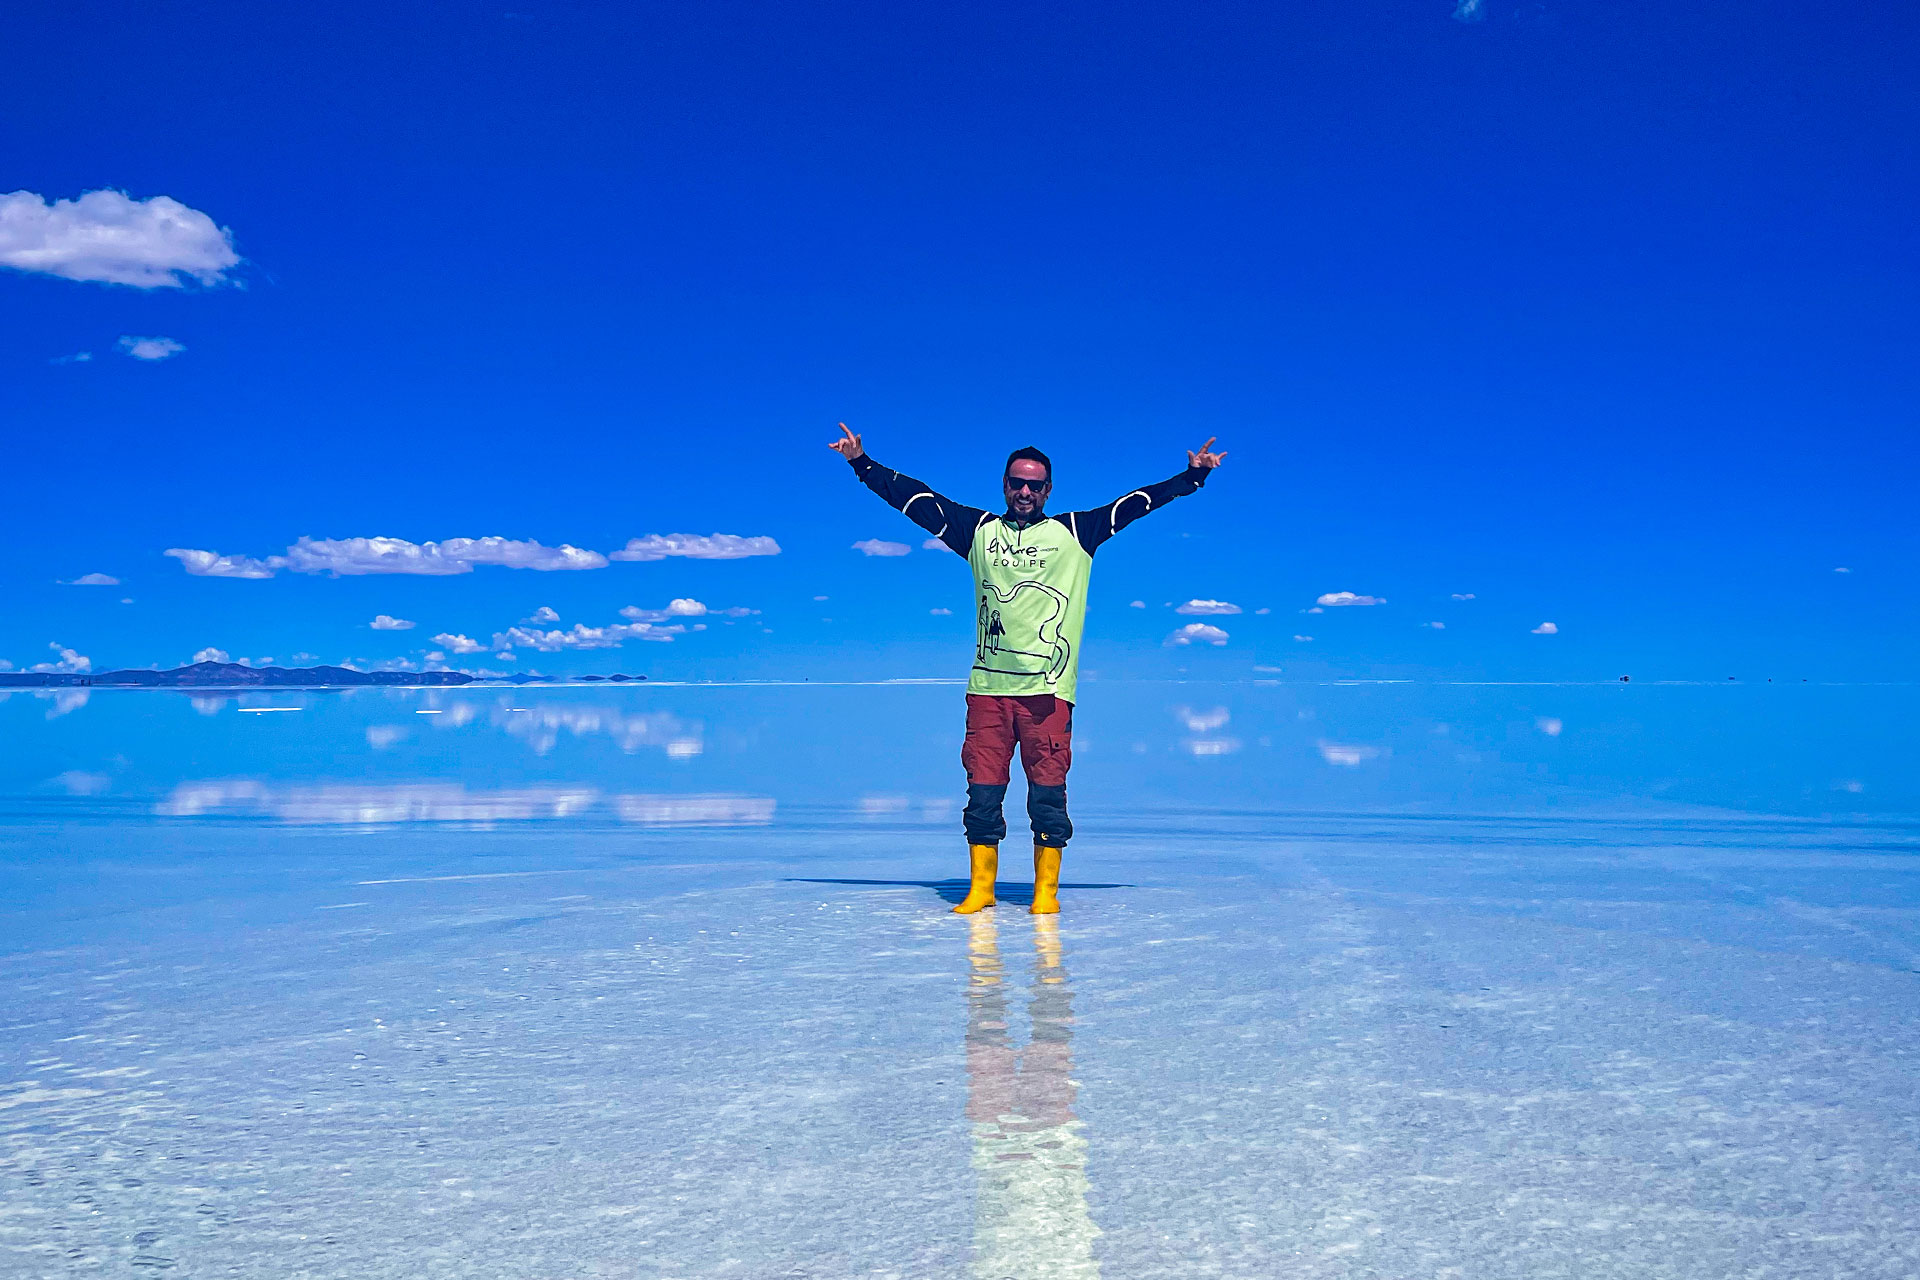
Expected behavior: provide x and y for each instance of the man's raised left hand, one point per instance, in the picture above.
(1206, 457)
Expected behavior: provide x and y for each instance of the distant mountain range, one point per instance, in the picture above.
(231, 675)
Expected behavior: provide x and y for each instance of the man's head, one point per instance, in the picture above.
(1027, 481)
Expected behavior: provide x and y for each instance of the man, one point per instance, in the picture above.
(1030, 575)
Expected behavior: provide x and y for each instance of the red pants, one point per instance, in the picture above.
(1043, 726)
(1041, 723)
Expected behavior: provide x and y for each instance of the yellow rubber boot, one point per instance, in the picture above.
(1046, 881)
(985, 859)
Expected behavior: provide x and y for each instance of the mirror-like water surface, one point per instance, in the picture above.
(1350, 979)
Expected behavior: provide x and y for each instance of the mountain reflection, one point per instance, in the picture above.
(1029, 1149)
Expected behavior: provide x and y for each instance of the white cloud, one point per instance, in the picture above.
(109, 238)
(387, 622)
(1337, 599)
(1345, 755)
(1460, 596)
(1137, 604)
(1208, 608)
(544, 614)
(934, 544)
(1272, 671)
(1546, 629)
(1470, 11)
(94, 580)
(68, 662)
(456, 643)
(349, 557)
(352, 556)
(211, 654)
(1303, 639)
(1549, 725)
(1197, 632)
(683, 607)
(717, 546)
(582, 637)
(941, 613)
(1843, 569)
(5, 665)
(818, 599)
(76, 783)
(1261, 613)
(78, 357)
(211, 564)
(881, 547)
(151, 348)
(1437, 626)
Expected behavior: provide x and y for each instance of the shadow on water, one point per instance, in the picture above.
(951, 890)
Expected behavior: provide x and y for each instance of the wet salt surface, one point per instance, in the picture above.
(1255, 1055)
(589, 1017)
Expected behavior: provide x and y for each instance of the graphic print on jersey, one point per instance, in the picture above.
(1047, 651)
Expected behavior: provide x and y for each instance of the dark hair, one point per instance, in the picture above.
(1029, 454)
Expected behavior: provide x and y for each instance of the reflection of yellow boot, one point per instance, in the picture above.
(1046, 880)
(1046, 948)
(986, 865)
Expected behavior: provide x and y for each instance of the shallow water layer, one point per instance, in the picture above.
(1349, 981)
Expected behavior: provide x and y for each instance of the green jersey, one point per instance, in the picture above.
(1030, 588)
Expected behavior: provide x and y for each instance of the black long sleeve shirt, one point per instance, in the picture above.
(954, 523)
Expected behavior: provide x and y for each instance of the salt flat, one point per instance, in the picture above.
(500, 1033)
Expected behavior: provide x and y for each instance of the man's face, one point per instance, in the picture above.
(1027, 484)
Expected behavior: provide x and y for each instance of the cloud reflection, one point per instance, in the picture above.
(695, 810)
(1203, 724)
(1346, 755)
(542, 726)
(377, 804)
(372, 804)
(65, 701)
(881, 808)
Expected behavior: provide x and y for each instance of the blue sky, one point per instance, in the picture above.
(1600, 313)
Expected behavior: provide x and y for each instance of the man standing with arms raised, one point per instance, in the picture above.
(1030, 574)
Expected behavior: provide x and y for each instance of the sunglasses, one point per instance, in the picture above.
(1016, 483)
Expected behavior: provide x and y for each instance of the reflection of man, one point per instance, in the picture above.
(1029, 1149)
(1030, 574)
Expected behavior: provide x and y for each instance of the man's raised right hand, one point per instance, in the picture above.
(848, 446)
